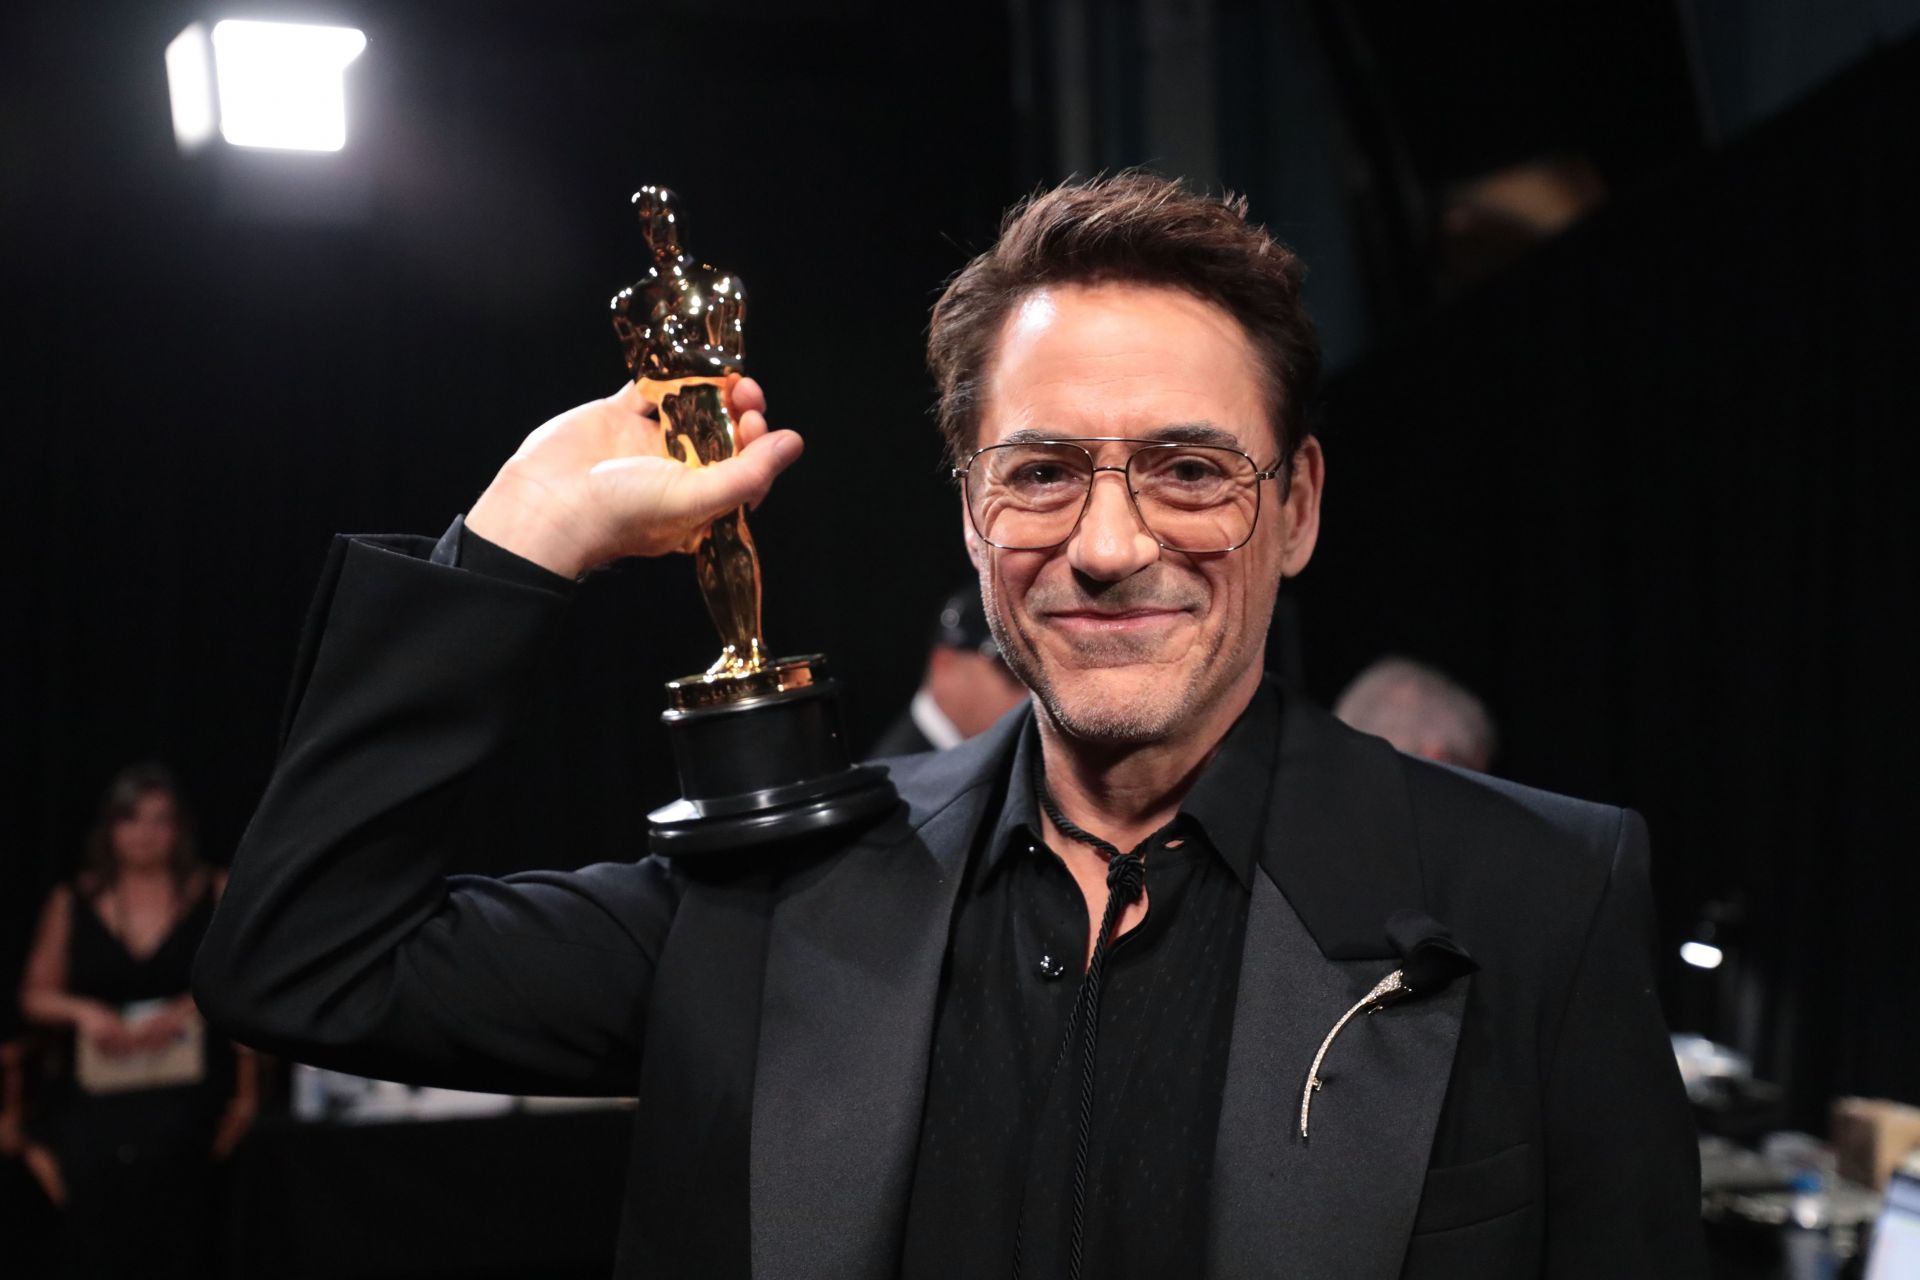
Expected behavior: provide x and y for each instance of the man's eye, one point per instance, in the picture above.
(1189, 470)
(1040, 475)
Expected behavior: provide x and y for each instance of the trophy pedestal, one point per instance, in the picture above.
(762, 759)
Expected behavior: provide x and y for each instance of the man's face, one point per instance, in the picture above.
(1120, 640)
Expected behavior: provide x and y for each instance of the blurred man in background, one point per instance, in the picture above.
(1421, 712)
(966, 688)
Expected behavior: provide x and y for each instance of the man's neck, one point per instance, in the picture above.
(1124, 793)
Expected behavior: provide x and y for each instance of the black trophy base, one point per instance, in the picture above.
(763, 760)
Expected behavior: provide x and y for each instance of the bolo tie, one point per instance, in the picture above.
(1126, 876)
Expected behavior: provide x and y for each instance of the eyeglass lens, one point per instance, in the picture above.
(1190, 497)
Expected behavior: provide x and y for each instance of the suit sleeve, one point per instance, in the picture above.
(342, 940)
(1623, 1164)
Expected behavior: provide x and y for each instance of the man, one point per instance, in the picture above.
(1087, 1002)
(1421, 712)
(966, 687)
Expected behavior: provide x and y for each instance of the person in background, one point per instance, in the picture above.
(967, 686)
(151, 1099)
(1421, 712)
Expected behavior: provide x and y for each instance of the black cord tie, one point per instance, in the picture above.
(1126, 877)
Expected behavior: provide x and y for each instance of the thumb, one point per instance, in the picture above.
(743, 479)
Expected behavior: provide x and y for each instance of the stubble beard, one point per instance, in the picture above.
(1123, 720)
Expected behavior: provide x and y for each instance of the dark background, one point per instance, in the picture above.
(1645, 489)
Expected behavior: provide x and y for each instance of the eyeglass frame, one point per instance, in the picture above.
(1281, 469)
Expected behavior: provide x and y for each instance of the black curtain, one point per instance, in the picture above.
(208, 376)
(1651, 493)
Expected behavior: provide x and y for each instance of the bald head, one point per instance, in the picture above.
(1421, 712)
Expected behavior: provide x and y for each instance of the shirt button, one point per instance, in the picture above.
(1050, 968)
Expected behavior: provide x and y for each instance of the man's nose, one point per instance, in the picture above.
(1111, 543)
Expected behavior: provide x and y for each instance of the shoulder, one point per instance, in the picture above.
(930, 781)
(55, 925)
(1518, 871)
(925, 779)
(1457, 808)
(1463, 826)
(58, 907)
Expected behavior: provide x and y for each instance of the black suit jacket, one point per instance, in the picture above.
(775, 1022)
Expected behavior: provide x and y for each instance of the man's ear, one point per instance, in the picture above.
(1302, 506)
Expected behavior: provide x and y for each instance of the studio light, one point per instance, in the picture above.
(1701, 955)
(274, 85)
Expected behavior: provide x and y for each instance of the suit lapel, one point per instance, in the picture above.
(852, 984)
(1340, 1203)
(1340, 859)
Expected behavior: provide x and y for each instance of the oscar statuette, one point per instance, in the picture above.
(758, 742)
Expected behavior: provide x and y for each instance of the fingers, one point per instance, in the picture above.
(742, 480)
(747, 396)
(750, 426)
(773, 452)
(661, 502)
(748, 401)
(787, 445)
(699, 494)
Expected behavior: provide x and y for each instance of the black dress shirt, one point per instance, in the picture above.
(994, 1171)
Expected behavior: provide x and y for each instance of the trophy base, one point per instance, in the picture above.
(762, 759)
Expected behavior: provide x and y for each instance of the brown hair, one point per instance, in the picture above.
(100, 869)
(1133, 228)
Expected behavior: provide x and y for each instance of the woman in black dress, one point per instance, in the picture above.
(150, 1099)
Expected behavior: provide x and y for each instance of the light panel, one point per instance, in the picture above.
(280, 84)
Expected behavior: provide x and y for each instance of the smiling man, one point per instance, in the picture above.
(1089, 1002)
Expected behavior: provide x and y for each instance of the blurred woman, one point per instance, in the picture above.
(150, 1098)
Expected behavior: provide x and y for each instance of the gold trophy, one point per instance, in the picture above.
(759, 743)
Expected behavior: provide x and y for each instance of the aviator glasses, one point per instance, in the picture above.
(1031, 495)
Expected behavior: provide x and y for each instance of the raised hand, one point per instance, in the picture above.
(596, 483)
